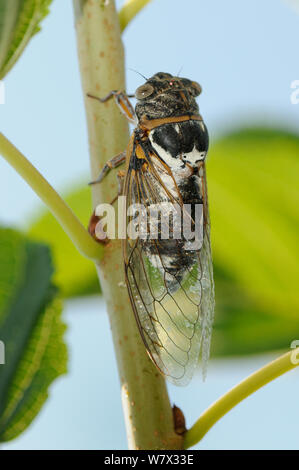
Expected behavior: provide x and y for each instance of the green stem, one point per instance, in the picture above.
(234, 396)
(147, 410)
(61, 211)
(130, 9)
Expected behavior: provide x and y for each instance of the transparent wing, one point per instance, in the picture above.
(171, 289)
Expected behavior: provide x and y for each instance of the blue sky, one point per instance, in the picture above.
(245, 56)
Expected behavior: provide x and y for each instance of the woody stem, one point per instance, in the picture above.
(146, 405)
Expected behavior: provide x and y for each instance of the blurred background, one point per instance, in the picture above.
(244, 55)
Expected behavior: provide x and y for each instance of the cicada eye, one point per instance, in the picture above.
(196, 88)
(144, 91)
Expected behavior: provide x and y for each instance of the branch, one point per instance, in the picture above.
(61, 211)
(130, 9)
(234, 396)
(147, 410)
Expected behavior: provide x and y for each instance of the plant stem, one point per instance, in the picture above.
(61, 211)
(234, 396)
(130, 9)
(148, 414)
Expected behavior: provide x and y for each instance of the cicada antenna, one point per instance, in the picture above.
(179, 72)
(136, 71)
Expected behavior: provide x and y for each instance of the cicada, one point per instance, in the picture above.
(169, 280)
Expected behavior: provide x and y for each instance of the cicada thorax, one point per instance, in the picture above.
(183, 148)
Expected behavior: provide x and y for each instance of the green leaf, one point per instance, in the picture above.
(19, 21)
(12, 251)
(129, 10)
(75, 275)
(254, 197)
(31, 330)
(242, 326)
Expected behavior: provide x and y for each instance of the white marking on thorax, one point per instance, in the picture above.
(177, 162)
(194, 157)
(172, 162)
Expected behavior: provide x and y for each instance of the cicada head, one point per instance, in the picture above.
(164, 95)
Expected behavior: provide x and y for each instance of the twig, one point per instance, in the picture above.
(61, 211)
(234, 396)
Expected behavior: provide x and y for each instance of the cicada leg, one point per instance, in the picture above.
(122, 101)
(120, 179)
(111, 164)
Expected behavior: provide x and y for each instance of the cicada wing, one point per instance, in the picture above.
(208, 301)
(207, 282)
(167, 285)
